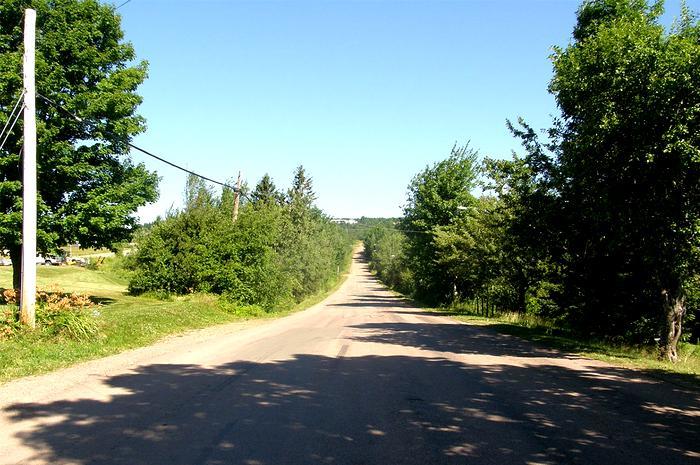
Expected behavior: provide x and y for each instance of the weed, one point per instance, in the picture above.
(57, 314)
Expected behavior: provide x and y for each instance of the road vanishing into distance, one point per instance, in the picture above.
(362, 378)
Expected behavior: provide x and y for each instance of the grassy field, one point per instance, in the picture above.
(125, 321)
(686, 371)
(100, 284)
(80, 252)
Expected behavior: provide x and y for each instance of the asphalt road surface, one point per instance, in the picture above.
(363, 378)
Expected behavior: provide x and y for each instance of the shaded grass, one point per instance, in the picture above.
(545, 333)
(126, 322)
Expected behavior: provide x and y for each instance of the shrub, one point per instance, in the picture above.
(57, 314)
(274, 255)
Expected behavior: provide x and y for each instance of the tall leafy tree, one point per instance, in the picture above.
(89, 189)
(197, 194)
(629, 166)
(527, 218)
(437, 196)
(468, 249)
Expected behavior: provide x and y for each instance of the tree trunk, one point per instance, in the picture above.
(16, 257)
(674, 310)
(521, 304)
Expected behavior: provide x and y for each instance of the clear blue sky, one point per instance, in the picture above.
(364, 94)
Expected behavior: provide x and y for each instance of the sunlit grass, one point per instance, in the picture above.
(73, 279)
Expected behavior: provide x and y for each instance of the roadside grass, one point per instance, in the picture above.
(73, 279)
(125, 322)
(685, 371)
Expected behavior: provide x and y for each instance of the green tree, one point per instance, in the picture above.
(197, 194)
(262, 259)
(527, 220)
(629, 167)
(88, 187)
(301, 195)
(436, 198)
(266, 192)
(385, 249)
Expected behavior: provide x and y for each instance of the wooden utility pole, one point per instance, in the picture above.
(237, 198)
(28, 295)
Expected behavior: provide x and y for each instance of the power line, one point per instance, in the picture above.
(2, 144)
(180, 167)
(9, 118)
(127, 1)
(19, 99)
(60, 107)
(144, 151)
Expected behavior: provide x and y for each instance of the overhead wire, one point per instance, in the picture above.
(12, 112)
(235, 189)
(146, 152)
(7, 136)
(127, 1)
(9, 118)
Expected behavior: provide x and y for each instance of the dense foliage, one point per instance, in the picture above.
(597, 226)
(88, 187)
(280, 249)
(385, 249)
(437, 198)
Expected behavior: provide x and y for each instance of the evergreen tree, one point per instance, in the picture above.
(266, 192)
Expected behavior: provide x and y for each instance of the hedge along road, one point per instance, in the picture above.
(362, 378)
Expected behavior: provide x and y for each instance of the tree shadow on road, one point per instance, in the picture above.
(373, 302)
(367, 410)
(452, 338)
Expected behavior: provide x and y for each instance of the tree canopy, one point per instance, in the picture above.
(596, 226)
(88, 188)
(266, 192)
(629, 165)
(437, 196)
(273, 256)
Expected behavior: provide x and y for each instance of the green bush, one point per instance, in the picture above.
(72, 316)
(275, 254)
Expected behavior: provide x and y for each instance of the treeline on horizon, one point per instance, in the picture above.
(280, 249)
(595, 225)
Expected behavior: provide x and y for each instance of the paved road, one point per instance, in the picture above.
(362, 378)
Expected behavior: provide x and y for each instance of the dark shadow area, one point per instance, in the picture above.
(544, 339)
(379, 301)
(379, 297)
(495, 340)
(451, 338)
(430, 313)
(369, 410)
(103, 300)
